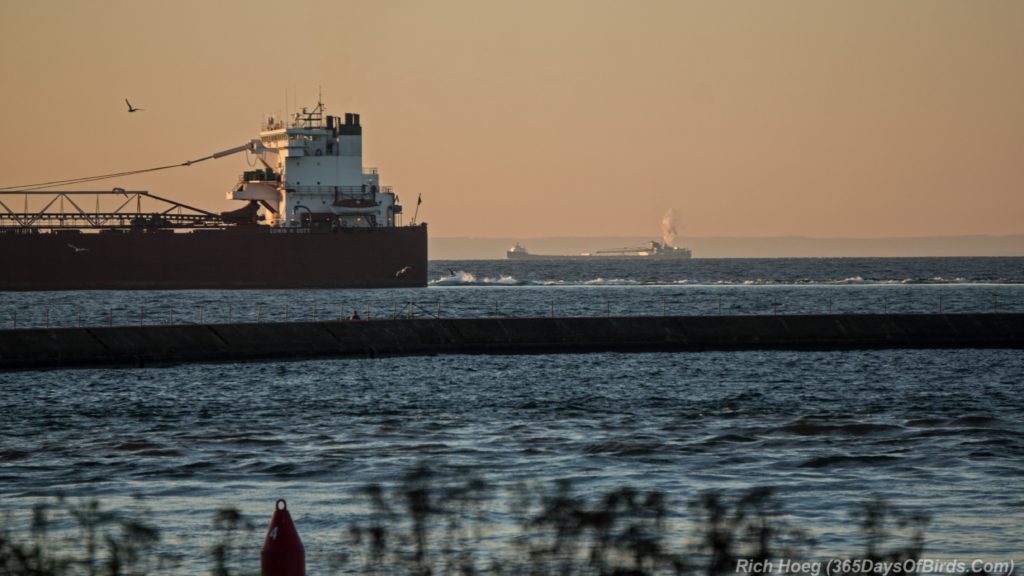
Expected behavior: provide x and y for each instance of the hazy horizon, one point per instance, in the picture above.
(477, 248)
(791, 118)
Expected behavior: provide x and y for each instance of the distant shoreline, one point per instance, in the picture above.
(466, 248)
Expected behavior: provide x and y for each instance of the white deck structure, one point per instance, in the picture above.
(313, 175)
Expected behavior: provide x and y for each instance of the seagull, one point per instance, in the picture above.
(401, 273)
(77, 249)
(130, 107)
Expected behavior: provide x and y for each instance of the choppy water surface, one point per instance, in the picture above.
(937, 432)
(572, 288)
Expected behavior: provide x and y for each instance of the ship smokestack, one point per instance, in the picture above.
(668, 228)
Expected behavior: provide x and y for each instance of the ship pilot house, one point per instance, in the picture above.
(313, 176)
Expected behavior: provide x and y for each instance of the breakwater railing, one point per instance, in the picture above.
(156, 312)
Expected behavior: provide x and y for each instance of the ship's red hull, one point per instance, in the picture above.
(243, 257)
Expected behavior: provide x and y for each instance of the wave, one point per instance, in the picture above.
(594, 282)
(624, 448)
(817, 427)
(463, 278)
(844, 460)
(857, 280)
(611, 282)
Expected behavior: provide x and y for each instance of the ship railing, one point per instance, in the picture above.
(328, 189)
(110, 220)
(351, 190)
(365, 193)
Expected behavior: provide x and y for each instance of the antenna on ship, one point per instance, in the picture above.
(419, 200)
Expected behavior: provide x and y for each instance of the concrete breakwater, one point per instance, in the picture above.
(147, 345)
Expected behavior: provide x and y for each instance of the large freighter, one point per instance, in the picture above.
(314, 218)
(653, 250)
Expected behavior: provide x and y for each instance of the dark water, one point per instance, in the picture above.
(573, 288)
(938, 432)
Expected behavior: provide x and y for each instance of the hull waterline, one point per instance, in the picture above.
(245, 257)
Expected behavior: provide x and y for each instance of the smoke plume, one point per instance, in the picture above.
(668, 228)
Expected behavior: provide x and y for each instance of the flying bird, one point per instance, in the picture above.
(77, 249)
(130, 107)
(401, 273)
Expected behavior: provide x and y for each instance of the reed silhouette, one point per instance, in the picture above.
(434, 522)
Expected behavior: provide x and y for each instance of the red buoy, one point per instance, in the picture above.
(283, 553)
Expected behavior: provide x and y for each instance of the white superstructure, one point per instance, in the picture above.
(313, 175)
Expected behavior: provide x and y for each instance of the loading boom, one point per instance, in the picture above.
(63, 210)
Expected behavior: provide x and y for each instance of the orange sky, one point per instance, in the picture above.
(541, 118)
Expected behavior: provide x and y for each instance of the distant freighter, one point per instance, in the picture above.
(314, 218)
(653, 250)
